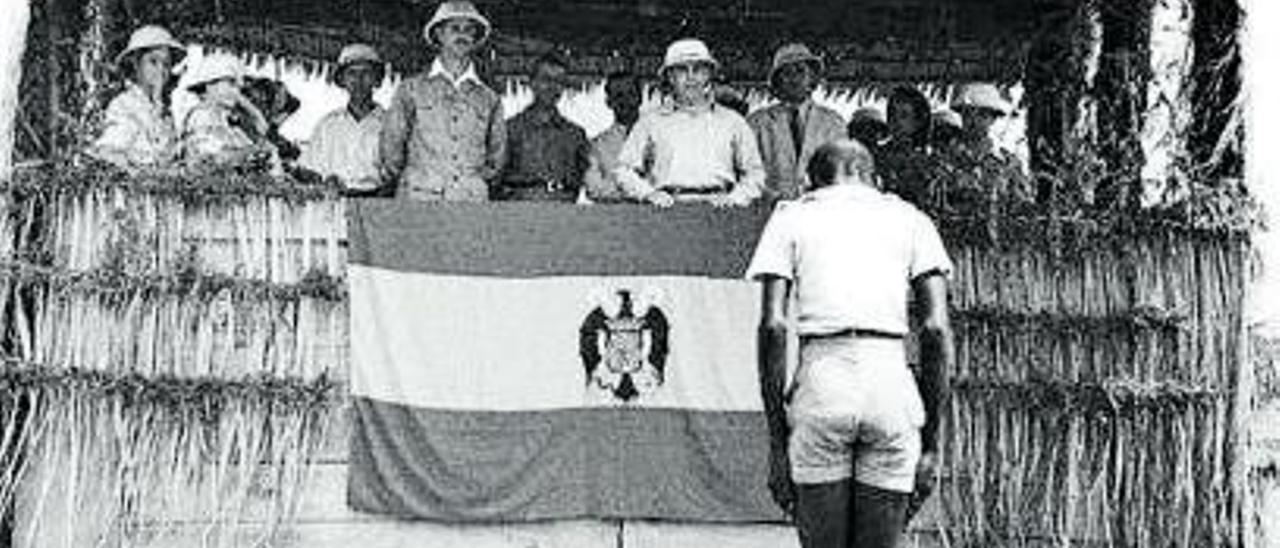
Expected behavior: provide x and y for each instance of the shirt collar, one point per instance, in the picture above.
(437, 69)
(672, 107)
(374, 114)
(844, 191)
(138, 93)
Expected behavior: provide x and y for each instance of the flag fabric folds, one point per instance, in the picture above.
(515, 362)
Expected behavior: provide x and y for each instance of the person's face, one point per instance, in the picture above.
(224, 90)
(623, 97)
(548, 83)
(360, 80)
(867, 132)
(690, 82)
(795, 82)
(978, 121)
(458, 36)
(904, 121)
(153, 68)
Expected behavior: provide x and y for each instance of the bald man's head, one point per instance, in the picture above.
(840, 161)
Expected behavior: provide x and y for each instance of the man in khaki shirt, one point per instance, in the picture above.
(444, 137)
(691, 150)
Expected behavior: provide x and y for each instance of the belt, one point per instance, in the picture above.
(855, 333)
(695, 190)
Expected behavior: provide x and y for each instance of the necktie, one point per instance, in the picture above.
(797, 130)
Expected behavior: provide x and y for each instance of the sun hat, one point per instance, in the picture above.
(214, 68)
(947, 117)
(791, 54)
(868, 114)
(354, 54)
(456, 9)
(687, 51)
(151, 36)
(981, 96)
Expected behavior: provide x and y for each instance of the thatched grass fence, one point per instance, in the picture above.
(175, 346)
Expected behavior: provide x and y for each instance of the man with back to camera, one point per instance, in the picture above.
(853, 437)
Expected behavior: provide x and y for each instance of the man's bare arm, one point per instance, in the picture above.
(937, 352)
(772, 355)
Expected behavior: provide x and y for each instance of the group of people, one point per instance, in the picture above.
(444, 136)
(852, 436)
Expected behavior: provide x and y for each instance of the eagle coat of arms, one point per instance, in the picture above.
(629, 337)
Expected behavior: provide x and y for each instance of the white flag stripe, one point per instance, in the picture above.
(504, 344)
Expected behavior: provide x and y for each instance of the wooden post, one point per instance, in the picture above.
(93, 67)
(1057, 81)
(1215, 85)
(13, 37)
(1124, 74)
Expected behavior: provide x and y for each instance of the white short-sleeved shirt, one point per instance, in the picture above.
(346, 147)
(852, 252)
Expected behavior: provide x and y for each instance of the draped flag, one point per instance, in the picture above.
(516, 362)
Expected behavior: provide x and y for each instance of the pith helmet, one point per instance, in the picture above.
(457, 9)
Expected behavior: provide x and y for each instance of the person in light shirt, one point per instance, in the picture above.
(344, 144)
(137, 128)
(856, 438)
(444, 137)
(691, 149)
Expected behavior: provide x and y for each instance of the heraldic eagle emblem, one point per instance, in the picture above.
(628, 336)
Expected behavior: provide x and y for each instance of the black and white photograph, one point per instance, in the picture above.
(639, 274)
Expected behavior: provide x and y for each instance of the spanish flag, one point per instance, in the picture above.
(516, 362)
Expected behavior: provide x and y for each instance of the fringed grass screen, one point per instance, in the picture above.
(1095, 389)
(175, 343)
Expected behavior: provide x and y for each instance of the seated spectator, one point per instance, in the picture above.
(691, 149)
(547, 154)
(208, 135)
(344, 144)
(623, 95)
(137, 129)
(868, 127)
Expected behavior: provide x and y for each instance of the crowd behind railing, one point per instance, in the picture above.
(444, 137)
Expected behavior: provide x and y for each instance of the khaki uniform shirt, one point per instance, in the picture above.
(443, 140)
(547, 156)
(678, 149)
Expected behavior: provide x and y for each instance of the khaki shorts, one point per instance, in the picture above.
(855, 412)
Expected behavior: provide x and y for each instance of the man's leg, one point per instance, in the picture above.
(822, 514)
(876, 516)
